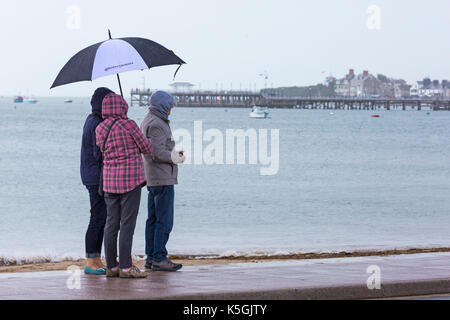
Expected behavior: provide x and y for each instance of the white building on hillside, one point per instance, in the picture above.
(429, 89)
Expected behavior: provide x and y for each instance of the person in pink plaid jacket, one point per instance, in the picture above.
(123, 168)
(123, 179)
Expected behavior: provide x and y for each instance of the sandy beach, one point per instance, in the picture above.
(196, 261)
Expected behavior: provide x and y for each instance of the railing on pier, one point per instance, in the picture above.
(239, 99)
(203, 98)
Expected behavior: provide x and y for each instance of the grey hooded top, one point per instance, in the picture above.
(161, 167)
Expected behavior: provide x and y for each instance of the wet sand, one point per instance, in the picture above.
(197, 261)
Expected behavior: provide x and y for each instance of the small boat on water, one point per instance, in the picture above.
(259, 112)
(31, 101)
(18, 99)
(68, 101)
(375, 116)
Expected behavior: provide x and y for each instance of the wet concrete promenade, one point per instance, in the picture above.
(342, 278)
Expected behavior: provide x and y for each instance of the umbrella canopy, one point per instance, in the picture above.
(115, 56)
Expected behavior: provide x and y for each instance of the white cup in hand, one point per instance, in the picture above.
(178, 157)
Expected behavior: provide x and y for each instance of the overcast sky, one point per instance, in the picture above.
(228, 41)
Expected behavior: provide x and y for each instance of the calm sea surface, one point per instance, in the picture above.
(346, 181)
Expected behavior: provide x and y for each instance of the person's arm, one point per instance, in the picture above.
(95, 149)
(158, 138)
(97, 138)
(144, 145)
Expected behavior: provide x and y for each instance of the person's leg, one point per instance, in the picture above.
(95, 231)
(130, 208)
(101, 222)
(112, 229)
(164, 202)
(150, 224)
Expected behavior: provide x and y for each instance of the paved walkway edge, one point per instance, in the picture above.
(388, 290)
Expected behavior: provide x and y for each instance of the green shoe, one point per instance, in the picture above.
(98, 272)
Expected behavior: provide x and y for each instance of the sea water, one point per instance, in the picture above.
(346, 181)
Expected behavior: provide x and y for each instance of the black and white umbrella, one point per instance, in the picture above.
(115, 56)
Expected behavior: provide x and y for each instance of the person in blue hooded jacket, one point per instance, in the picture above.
(90, 168)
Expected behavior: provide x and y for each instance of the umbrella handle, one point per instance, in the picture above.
(175, 74)
(120, 85)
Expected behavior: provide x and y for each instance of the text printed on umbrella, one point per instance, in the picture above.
(119, 66)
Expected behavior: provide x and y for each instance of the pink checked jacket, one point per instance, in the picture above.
(123, 169)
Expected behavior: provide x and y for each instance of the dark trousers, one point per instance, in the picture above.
(123, 210)
(159, 222)
(94, 233)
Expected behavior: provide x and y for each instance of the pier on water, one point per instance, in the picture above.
(247, 99)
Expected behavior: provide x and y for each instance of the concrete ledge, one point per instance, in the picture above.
(391, 290)
(322, 279)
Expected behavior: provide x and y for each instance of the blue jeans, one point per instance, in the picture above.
(159, 222)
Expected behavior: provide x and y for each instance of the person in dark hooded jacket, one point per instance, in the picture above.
(91, 163)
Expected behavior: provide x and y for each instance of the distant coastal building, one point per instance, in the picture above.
(343, 86)
(368, 85)
(428, 88)
(402, 90)
(446, 89)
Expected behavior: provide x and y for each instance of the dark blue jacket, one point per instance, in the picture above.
(91, 156)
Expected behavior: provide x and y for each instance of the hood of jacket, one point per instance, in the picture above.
(97, 100)
(162, 102)
(114, 106)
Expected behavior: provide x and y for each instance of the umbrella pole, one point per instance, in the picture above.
(120, 85)
(118, 77)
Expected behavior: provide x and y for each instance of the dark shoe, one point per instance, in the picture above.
(166, 265)
(148, 264)
(132, 272)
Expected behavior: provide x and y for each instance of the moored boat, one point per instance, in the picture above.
(259, 112)
(18, 99)
(31, 100)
